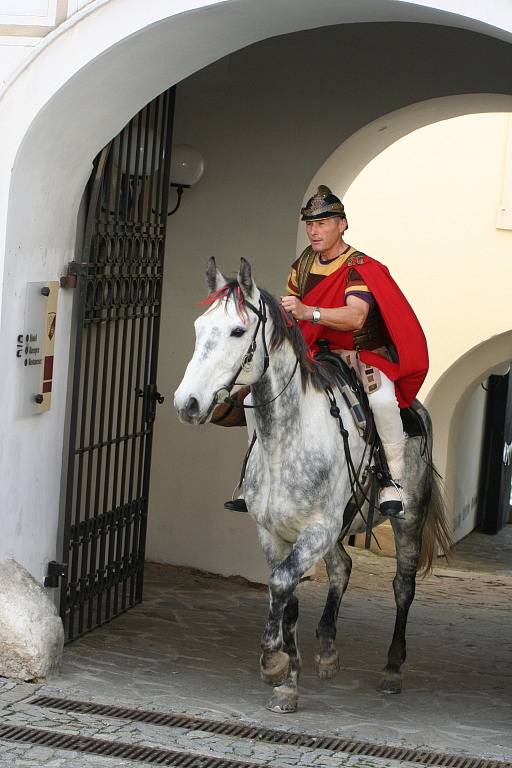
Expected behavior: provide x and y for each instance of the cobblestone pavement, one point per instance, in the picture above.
(16, 709)
(193, 647)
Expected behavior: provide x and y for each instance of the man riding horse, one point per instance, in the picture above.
(341, 295)
(309, 473)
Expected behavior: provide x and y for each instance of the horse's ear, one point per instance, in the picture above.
(215, 280)
(244, 277)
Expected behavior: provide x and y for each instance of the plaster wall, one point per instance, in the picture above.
(76, 5)
(468, 437)
(78, 88)
(13, 51)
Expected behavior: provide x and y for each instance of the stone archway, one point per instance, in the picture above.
(84, 83)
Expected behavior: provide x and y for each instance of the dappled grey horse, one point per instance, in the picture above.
(297, 483)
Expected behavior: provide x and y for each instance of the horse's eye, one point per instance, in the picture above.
(238, 331)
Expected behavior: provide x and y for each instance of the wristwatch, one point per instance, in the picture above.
(316, 316)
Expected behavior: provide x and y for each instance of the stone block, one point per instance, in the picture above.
(31, 631)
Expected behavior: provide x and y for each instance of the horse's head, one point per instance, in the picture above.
(229, 345)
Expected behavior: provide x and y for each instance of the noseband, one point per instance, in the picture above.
(261, 314)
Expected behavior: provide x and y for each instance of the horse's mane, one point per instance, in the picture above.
(285, 328)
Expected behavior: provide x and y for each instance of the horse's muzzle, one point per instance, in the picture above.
(190, 412)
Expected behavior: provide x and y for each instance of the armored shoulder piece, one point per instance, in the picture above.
(358, 257)
(306, 260)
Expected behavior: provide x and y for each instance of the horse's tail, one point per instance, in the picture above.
(436, 531)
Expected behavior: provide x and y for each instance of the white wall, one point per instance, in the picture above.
(76, 5)
(468, 437)
(25, 23)
(16, 13)
(90, 75)
(13, 51)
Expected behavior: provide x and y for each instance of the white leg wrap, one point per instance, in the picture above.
(395, 457)
(388, 422)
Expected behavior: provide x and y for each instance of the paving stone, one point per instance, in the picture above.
(15, 690)
(39, 753)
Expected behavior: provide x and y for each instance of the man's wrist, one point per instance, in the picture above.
(315, 315)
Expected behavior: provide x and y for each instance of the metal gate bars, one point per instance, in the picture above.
(119, 282)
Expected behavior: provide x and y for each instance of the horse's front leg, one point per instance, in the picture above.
(339, 567)
(408, 545)
(285, 696)
(280, 660)
(275, 665)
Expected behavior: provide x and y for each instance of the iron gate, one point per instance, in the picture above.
(119, 284)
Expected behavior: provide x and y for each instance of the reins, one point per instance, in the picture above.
(359, 492)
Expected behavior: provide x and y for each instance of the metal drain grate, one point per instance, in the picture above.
(119, 749)
(271, 735)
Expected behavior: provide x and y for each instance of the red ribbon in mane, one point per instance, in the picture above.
(223, 293)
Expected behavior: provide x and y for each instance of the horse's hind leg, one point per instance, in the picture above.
(408, 545)
(339, 567)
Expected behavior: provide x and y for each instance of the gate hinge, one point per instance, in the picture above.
(54, 573)
(73, 271)
(150, 398)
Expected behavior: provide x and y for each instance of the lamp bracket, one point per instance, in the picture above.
(179, 191)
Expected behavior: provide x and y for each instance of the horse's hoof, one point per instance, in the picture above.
(274, 667)
(327, 667)
(284, 700)
(391, 683)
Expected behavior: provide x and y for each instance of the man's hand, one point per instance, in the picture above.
(295, 306)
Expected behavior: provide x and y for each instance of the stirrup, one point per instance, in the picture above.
(236, 505)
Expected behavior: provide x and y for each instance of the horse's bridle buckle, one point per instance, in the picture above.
(248, 357)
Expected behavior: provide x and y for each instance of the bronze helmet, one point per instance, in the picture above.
(322, 205)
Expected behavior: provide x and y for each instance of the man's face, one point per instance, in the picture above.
(323, 234)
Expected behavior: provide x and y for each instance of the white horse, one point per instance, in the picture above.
(297, 483)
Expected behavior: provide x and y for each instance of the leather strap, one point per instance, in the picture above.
(306, 260)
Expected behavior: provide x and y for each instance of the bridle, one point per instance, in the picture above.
(223, 395)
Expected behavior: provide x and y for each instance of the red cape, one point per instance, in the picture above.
(402, 324)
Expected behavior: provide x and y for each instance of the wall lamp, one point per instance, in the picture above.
(187, 167)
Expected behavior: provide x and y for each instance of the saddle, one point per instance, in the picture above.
(356, 398)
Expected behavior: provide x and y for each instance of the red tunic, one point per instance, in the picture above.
(402, 325)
